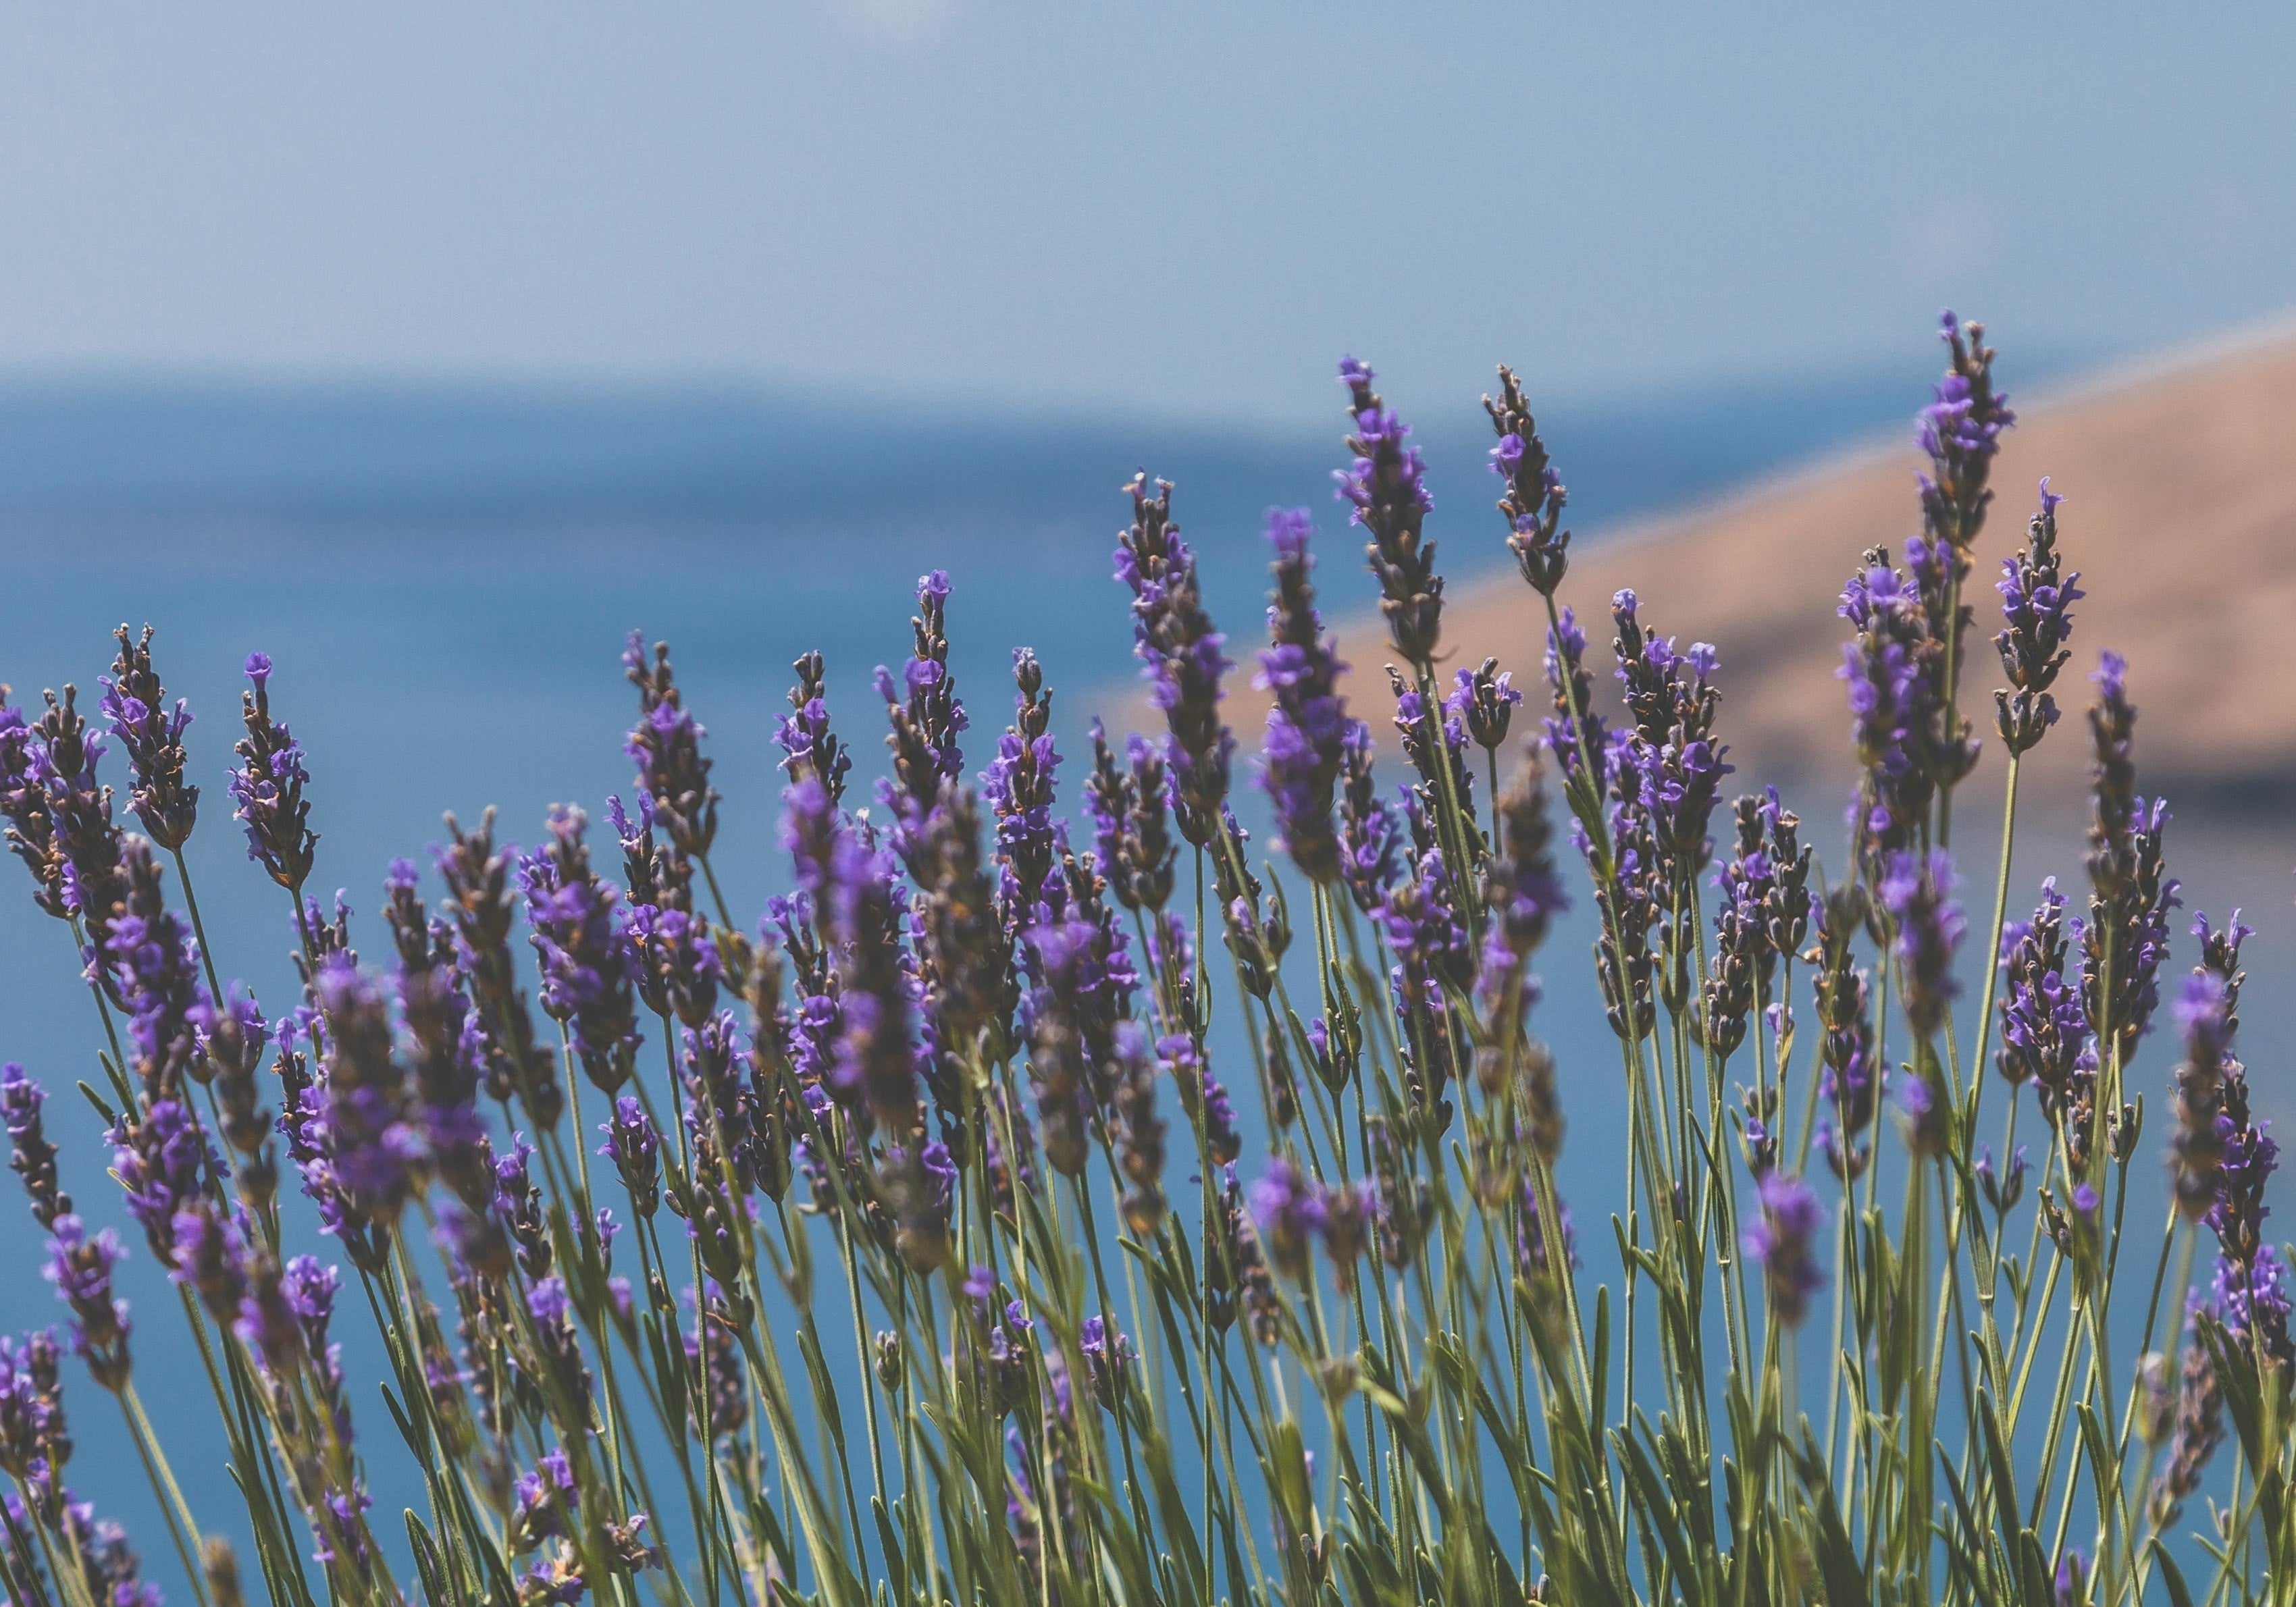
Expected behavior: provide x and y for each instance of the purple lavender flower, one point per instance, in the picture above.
(2002, 1188)
(1371, 836)
(110, 1571)
(2198, 1430)
(156, 974)
(808, 744)
(1129, 808)
(84, 845)
(1429, 937)
(552, 1307)
(1523, 894)
(1307, 728)
(81, 1266)
(1483, 700)
(665, 746)
(1288, 1207)
(874, 1076)
(1781, 1243)
(1584, 740)
(652, 874)
(1630, 901)
(1671, 699)
(1960, 432)
(634, 1144)
(1203, 1096)
(2042, 1026)
(1907, 739)
(1927, 927)
(2127, 935)
(919, 1182)
(1019, 785)
(1532, 504)
(675, 963)
(1387, 486)
(965, 955)
(136, 706)
(267, 788)
(720, 1111)
(1350, 1213)
(546, 1499)
(1850, 1084)
(519, 1204)
(32, 1157)
(2036, 599)
(373, 1142)
(24, 773)
(1108, 1359)
(1061, 1064)
(2197, 1145)
(1433, 739)
(585, 958)
(161, 1159)
(1180, 655)
(34, 1441)
(2248, 1157)
(232, 1038)
(448, 1051)
(2252, 1298)
(926, 715)
(1136, 1132)
(1669, 694)
(1742, 949)
(210, 1258)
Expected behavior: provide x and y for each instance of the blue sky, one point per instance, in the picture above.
(1166, 208)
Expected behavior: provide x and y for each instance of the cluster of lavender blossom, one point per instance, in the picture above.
(956, 1035)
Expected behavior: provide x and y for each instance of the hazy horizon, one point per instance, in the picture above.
(1182, 210)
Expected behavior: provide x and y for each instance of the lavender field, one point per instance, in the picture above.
(1205, 1168)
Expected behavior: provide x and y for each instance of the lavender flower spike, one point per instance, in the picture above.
(1387, 484)
(2197, 1145)
(267, 788)
(1534, 495)
(927, 718)
(2125, 938)
(81, 1266)
(1960, 432)
(586, 960)
(84, 846)
(32, 1157)
(31, 829)
(135, 705)
(665, 746)
(2036, 599)
(1483, 700)
(2043, 1025)
(2200, 1429)
(1307, 726)
(809, 747)
(1929, 928)
(1181, 656)
(1781, 1243)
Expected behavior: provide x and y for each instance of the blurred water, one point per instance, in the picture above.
(445, 591)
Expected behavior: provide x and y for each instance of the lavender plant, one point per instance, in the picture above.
(971, 1230)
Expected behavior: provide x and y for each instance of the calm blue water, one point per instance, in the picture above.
(445, 580)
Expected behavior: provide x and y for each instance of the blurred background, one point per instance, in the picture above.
(432, 349)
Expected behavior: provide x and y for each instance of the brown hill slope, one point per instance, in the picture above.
(2181, 481)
